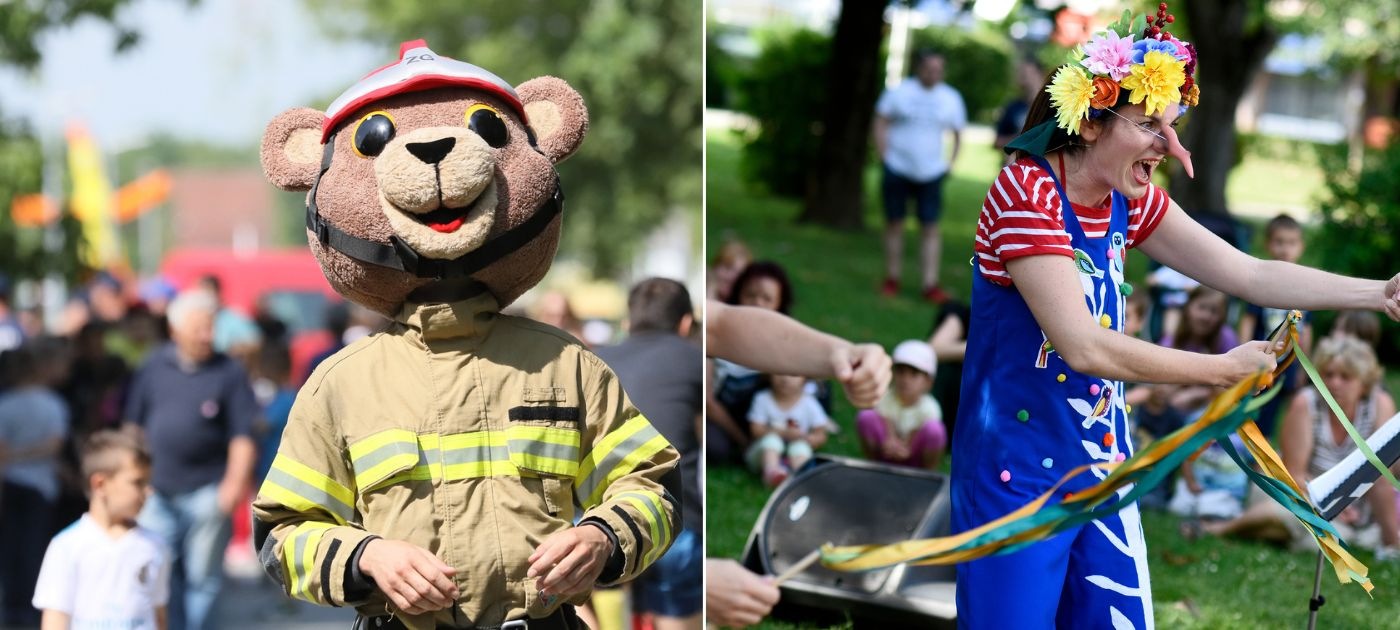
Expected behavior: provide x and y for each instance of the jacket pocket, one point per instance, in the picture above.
(549, 453)
(386, 458)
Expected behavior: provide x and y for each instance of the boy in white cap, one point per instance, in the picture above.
(906, 426)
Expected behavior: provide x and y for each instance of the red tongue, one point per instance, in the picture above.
(448, 227)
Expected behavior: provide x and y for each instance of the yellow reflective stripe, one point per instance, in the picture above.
(380, 455)
(299, 553)
(311, 485)
(604, 446)
(627, 465)
(476, 455)
(372, 477)
(296, 502)
(654, 505)
(399, 455)
(378, 440)
(544, 449)
(648, 504)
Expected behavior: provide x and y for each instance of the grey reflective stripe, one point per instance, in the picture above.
(650, 502)
(300, 574)
(611, 460)
(368, 460)
(311, 493)
(566, 452)
(474, 454)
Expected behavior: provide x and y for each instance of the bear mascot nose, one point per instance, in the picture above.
(431, 152)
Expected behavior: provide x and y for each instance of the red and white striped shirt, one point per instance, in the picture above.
(1022, 216)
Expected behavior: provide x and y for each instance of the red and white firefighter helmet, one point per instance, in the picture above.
(418, 68)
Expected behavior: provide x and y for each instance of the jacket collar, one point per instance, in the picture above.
(469, 317)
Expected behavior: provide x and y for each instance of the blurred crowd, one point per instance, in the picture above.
(211, 389)
(98, 364)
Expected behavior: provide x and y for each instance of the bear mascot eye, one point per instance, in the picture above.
(487, 123)
(373, 133)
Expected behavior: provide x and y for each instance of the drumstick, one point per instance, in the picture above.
(798, 568)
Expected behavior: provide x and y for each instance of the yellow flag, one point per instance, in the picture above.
(92, 201)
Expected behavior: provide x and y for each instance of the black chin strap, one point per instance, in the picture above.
(400, 256)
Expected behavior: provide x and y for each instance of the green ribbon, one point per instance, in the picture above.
(1070, 513)
(1346, 424)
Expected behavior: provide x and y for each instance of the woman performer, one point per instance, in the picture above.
(1042, 389)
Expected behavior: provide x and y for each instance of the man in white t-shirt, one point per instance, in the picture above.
(104, 571)
(910, 122)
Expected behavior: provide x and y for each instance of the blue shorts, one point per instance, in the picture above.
(673, 586)
(928, 197)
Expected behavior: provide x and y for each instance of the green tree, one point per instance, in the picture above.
(834, 187)
(637, 64)
(784, 89)
(1360, 229)
(1233, 37)
(25, 252)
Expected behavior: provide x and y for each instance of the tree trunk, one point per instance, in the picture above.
(1232, 38)
(834, 182)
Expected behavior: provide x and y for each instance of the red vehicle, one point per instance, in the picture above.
(280, 278)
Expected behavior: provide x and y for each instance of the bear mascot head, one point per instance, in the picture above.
(429, 179)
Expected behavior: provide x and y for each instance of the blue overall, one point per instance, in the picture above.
(1025, 420)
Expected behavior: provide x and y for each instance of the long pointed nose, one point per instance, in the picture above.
(1177, 151)
(431, 152)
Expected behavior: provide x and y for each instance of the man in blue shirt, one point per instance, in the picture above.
(663, 374)
(196, 408)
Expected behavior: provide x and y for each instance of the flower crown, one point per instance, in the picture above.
(1136, 55)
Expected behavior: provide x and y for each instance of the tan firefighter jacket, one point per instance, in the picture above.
(471, 434)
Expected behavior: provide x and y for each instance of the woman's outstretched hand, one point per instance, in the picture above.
(1247, 360)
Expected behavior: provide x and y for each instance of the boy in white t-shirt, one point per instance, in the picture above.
(104, 571)
(784, 419)
(906, 426)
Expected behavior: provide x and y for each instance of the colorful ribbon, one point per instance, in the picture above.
(1148, 468)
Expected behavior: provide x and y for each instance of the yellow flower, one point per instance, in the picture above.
(1156, 80)
(1070, 93)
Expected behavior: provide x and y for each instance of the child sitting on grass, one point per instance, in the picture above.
(906, 426)
(785, 420)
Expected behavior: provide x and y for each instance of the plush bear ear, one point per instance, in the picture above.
(291, 148)
(557, 115)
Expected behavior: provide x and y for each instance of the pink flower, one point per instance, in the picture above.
(1109, 54)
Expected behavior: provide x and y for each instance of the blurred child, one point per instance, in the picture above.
(1135, 317)
(1203, 328)
(1211, 487)
(34, 421)
(1284, 241)
(906, 426)
(1170, 289)
(273, 389)
(762, 284)
(1363, 325)
(729, 262)
(949, 343)
(104, 571)
(784, 420)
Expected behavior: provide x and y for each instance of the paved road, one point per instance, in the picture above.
(255, 602)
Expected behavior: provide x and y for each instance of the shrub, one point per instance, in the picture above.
(1360, 230)
(785, 91)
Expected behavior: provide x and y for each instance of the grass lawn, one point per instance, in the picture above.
(1204, 584)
